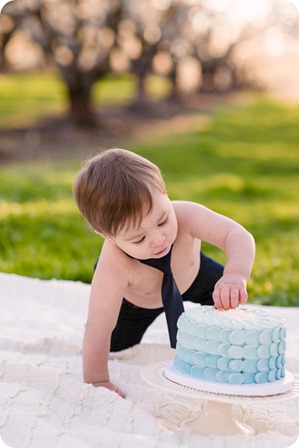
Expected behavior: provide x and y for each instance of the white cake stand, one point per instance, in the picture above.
(217, 416)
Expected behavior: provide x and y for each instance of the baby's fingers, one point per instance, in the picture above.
(229, 298)
(234, 297)
(110, 386)
(221, 298)
(243, 296)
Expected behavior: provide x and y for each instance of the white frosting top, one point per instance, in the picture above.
(237, 313)
(240, 318)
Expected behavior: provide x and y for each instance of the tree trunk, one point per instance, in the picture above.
(173, 76)
(81, 112)
(141, 93)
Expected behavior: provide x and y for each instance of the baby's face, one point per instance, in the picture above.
(156, 233)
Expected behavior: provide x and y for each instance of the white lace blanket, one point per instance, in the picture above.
(44, 403)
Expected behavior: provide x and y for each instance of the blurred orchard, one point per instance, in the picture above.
(197, 45)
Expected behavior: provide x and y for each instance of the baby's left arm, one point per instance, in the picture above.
(237, 243)
(230, 290)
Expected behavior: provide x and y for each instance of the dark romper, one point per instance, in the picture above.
(133, 320)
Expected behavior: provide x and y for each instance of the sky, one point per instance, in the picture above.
(240, 9)
(2, 3)
(295, 2)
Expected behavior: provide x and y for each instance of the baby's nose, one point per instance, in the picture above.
(158, 238)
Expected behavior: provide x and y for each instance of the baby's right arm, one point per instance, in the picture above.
(107, 291)
(96, 347)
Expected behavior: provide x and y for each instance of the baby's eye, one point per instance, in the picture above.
(139, 241)
(163, 222)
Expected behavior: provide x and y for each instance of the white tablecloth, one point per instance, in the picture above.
(45, 404)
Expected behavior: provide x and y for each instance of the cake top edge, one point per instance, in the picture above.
(242, 317)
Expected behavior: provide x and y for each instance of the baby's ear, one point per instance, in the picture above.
(109, 238)
(106, 237)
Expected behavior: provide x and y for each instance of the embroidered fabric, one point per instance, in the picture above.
(43, 401)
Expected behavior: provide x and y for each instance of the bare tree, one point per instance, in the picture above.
(78, 36)
(87, 39)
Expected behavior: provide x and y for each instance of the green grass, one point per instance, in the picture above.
(244, 164)
(24, 98)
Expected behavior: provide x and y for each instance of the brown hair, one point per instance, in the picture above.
(112, 189)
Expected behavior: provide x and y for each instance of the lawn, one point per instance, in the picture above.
(24, 98)
(244, 164)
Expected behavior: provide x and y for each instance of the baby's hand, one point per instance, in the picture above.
(110, 386)
(230, 290)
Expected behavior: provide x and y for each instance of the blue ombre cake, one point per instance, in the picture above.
(242, 346)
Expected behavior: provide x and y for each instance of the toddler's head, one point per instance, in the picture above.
(113, 190)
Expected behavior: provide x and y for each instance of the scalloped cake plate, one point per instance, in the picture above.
(247, 390)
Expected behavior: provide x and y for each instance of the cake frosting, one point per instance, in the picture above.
(237, 346)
